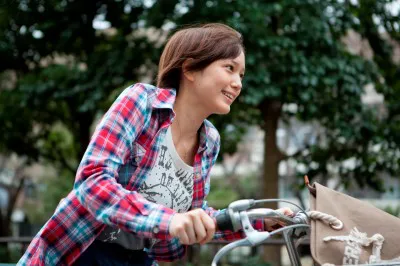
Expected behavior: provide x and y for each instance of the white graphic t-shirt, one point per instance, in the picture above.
(169, 183)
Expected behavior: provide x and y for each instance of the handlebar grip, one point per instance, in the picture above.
(224, 222)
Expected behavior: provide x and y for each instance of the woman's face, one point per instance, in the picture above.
(219, 84)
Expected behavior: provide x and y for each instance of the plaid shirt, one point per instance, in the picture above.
(120, 154)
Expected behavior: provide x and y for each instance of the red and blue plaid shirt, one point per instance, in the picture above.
(121, 152)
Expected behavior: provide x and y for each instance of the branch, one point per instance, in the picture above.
(18, 174)
(282, 156)
(14, 196)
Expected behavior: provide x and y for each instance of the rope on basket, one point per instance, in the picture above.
(333, 222)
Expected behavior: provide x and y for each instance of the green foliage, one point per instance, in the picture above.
(395, 211)
(55, 188)
(256, 261)
(3, 251)
(232, 127)
(68, 72)
(50, 190)
(251, 185)
(295, 55)
(221, 193)
(365, 134)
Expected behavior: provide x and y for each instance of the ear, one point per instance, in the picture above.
(188, 74)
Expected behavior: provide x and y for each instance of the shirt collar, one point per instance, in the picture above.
(164, 98)
(203, 137)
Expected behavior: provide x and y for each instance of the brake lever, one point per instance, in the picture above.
(252, 235)
(272, 215)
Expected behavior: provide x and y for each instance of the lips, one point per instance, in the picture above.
(228, 95)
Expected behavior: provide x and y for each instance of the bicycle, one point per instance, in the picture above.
(238, 216)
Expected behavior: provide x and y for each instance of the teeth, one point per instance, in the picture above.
(228, 95)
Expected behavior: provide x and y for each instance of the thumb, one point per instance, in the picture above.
(286, 211)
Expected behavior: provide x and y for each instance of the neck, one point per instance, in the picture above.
(189, 117)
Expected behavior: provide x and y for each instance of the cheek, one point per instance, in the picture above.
(221, 78)
(213, 81)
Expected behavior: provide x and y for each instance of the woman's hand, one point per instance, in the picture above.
(192, 227)
(271, 225)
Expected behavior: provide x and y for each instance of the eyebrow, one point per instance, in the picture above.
(236, 63)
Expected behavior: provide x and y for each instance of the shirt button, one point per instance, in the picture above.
(156, 229)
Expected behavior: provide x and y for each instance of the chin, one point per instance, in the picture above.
(223, 111)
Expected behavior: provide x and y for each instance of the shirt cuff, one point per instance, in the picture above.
(161, 230)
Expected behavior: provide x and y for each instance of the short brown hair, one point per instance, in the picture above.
(203, 43)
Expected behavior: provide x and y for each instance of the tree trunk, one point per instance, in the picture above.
(4, 232)
(5, 216)
(271, 111)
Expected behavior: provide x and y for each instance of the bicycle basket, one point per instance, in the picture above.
(368, 236)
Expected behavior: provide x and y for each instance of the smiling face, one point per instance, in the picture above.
(218, 85)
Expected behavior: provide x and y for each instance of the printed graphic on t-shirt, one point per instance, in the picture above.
(167, 185)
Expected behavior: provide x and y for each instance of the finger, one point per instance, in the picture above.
(276, 226)
(183, 237)
(269, 222)
(189, 228)
(286, 211)
(272, 224)
(199, 228)
(178, 228)
(268, 227)
(282, 223)
(210, 226)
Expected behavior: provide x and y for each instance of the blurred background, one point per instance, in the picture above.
(321, 96)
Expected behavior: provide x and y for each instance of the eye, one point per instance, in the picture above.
(230, 67)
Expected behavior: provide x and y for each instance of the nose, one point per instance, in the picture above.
(237, 84)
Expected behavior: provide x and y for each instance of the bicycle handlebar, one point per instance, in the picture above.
(237, 217)
(227, 219)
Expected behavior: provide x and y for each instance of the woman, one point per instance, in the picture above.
(139, 193)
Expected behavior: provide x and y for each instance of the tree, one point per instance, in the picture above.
(297, 67)
(67, 71)
(379, 26)
(296, 58)
(11, 188)
(58, 73)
